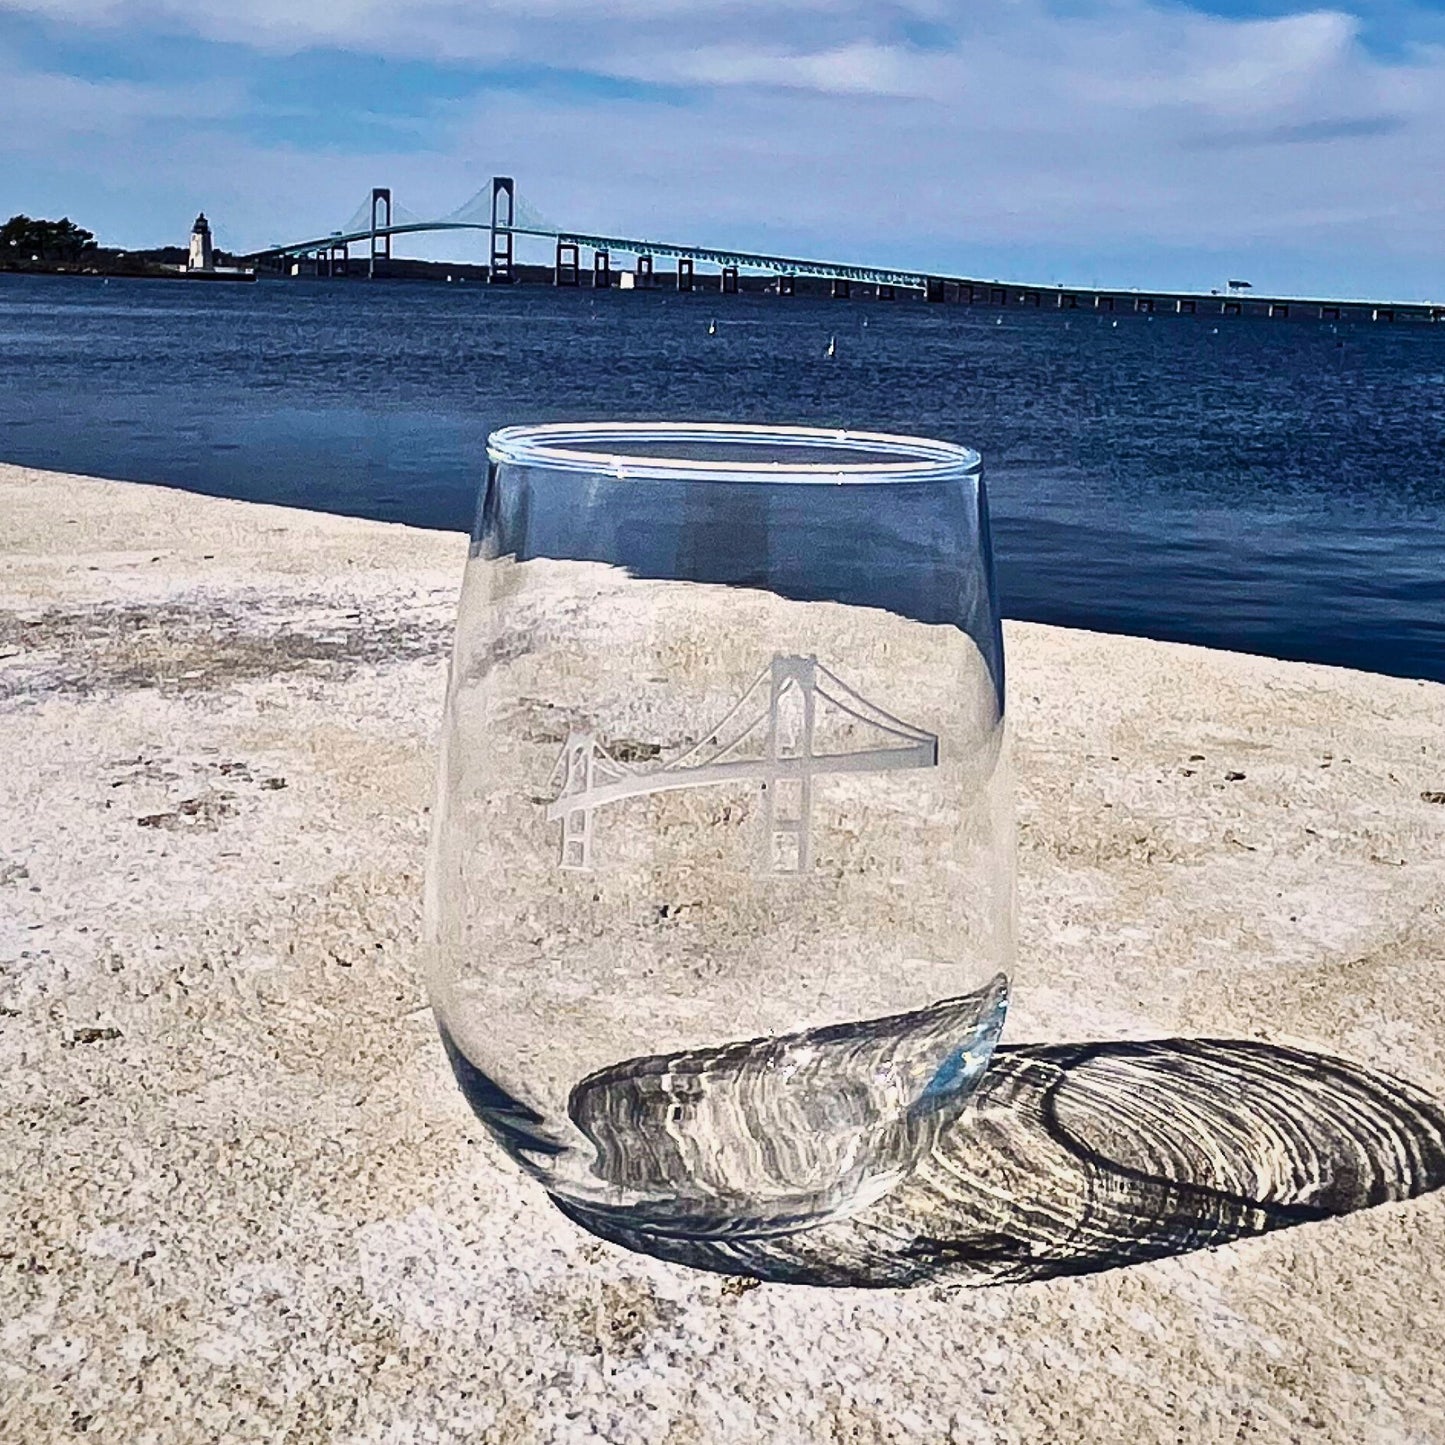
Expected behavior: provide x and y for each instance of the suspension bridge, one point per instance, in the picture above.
(505, 216)
(499, 210)
(770, 741)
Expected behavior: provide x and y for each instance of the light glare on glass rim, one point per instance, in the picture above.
(558, 445)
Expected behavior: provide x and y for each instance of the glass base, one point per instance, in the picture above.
(765, 1136)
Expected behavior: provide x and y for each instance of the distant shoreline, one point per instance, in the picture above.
(156, 272)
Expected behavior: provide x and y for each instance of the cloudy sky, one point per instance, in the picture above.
(1118, 142)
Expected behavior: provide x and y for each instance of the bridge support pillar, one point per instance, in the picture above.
(885, 292)
(644, 272)
(601, 270)
(338, 261)
(842, 288)
(684, 273)
(380, 244)
(568, 270)
(728, 281)
(501, 272)
(787, 285)
(933, 289)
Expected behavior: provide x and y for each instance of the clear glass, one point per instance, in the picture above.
(720, 899)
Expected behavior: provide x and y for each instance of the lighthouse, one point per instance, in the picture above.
(202, 257)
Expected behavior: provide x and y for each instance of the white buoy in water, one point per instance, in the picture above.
(832, 346)
(712, 328)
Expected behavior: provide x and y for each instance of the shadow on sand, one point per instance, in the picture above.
(1083, 1157)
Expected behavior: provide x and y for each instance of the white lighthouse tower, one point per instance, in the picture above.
(202, 257)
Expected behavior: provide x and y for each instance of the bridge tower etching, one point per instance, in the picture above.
(770, 740)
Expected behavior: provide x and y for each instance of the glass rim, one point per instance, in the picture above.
(569, 446)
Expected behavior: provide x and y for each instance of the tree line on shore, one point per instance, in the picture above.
(25, 243)
(32, 244)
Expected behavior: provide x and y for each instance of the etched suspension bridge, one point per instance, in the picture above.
(783, 762)
(501, 212)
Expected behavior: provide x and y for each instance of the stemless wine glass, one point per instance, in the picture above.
(724, 834)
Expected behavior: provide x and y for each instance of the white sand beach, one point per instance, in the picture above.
(243, 1198)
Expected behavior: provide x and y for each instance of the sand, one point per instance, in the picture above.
(243, 1198)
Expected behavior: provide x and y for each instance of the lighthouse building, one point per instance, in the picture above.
(202, 257)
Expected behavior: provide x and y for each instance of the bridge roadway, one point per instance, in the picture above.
(935, 287)
(744, 260)
(349, 238)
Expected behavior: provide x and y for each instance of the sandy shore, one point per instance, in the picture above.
(243, 1198)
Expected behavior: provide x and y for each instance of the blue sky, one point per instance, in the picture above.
(1094, 141)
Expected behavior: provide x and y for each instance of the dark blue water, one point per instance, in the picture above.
(1270, 487)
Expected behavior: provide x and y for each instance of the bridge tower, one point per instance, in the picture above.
(504, 195)
(380, 245)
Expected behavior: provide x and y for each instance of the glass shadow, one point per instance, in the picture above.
(1076, 1158)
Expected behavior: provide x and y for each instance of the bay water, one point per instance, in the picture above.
(1270, 487)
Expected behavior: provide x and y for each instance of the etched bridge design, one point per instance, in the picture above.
(771, 742)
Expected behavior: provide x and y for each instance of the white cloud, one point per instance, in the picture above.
(1227, 68)
(862, 68)
(40, 111)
